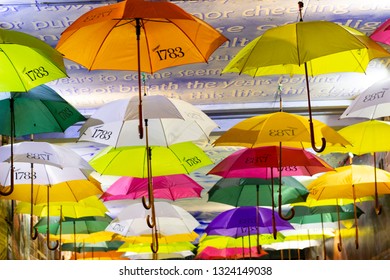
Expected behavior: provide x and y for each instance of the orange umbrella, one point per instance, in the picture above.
(139, 35)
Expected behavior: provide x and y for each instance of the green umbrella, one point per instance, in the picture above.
(38, 110)
(104, 246)
(27, 62)
(321, 216)
(256, 191)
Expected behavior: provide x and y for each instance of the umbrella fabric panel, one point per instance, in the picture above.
(163, 40)
(27, 62)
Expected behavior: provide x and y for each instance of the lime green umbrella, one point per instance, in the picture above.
(27, 62)
(180, 158)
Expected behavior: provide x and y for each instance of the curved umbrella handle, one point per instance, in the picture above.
(7, 193)
(378, 209)
(292, 214)
(145, 204)
(33, 231)
(339, 246)
(154, 245)
(52, 248)
(151, 221)
(313, 143)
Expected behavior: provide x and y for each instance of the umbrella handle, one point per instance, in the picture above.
(313, 143)
(145, 204)
(150, 221)
(154, 245)
(48, 244)
(33, 231)
(286, 218)
(378, 209)
(7, 193)
(339, 246)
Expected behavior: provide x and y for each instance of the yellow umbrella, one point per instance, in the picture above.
(351, 182)
(309, 48)
(90, 206)
(109, 255)
(366, 137)
(291, 130)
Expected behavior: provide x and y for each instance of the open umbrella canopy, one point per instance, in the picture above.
(256, 192)
(325, 46)
(382, 33)
(180, 158)
(160, 256)
(43, 153)
(169, 121)
(63, 184)
(366, 137)
(309, 48)
(38, 110)
(234, 253)
(109, 255)
(372, 103)
(162, 239)
(89, 206)
(280, 127)
(171, 187)
(352, 181)
(104, 246)
(168, 36)
(170, 220)
(27, 62)
(246, 220)
(144, 36)
(173, 247)
(268, 161)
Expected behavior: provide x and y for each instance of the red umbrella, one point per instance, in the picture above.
(170, 187)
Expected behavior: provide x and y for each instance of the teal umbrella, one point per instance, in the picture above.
(256, 191)
(39, 110)
(321, 216)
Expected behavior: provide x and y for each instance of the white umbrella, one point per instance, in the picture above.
(43, 153)
(168, 121)
(170, 220)
(372, 103)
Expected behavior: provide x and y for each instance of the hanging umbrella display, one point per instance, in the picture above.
(79, 247)
(382, 33)
(324, 217)
(171, 187)
(308, 48)
(43, 153)
(170, 220)
(366, 137)
(247, 221)
(47, 183)
(89, 206)
(138, 35)
(256, 192)
(291, 130)
(36, 111)
(27, 62)
(234, 253)
(180, 158)
(169, 121)
(351, 182)
(242, 243)
(161, 256)
(372, 103)
(270, 162)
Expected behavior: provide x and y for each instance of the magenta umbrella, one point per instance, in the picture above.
(171, 187)
(270, 162)
(382, 33)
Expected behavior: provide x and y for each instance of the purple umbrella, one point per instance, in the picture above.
(247, 220)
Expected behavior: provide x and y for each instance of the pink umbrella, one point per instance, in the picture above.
(382, 33)
(171, 187)
(212, 253)
(270, 162)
